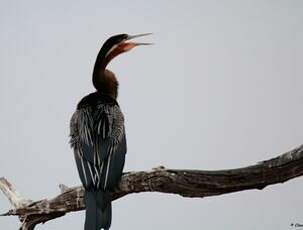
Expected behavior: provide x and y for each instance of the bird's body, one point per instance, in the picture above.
(98, 136)
(98, 140)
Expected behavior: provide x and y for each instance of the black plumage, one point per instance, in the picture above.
(98, 140)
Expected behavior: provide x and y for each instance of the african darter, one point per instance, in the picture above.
(98, 135)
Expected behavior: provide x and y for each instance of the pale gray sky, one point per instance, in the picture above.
(221, 88)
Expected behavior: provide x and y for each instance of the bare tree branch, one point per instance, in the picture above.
(187, 183)
(13, 196)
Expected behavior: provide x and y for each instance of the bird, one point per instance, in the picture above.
(97, 135)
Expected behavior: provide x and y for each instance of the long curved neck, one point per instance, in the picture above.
(104, 80)
(99, 70)
(105, 55)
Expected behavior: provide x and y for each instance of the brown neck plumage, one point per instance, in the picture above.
(106, 83)
(104, 80)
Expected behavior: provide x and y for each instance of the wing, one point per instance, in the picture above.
(99, 143)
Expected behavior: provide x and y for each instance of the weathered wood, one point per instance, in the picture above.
(16, 200)
(187, 183)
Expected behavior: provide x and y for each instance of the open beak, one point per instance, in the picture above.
(137, 36)
(124, 46)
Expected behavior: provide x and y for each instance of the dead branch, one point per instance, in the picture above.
(187, 183)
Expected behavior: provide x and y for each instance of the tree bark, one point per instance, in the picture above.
(187, 183)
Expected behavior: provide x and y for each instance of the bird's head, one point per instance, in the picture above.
(119, 44)
(104, 80)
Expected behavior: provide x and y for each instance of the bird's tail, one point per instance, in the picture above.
(98, 210)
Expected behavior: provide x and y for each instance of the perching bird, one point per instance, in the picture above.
(98, 136)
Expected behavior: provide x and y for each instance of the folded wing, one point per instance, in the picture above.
(98, 140)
